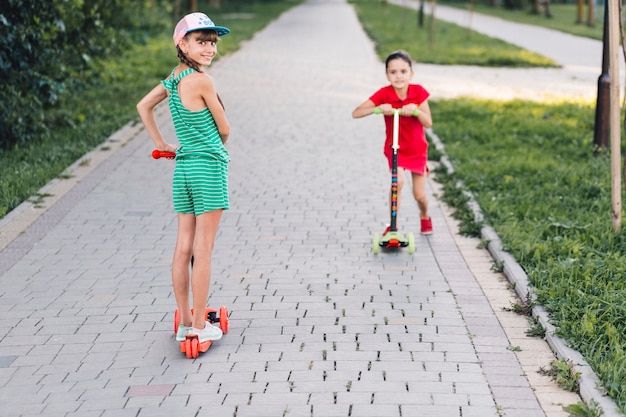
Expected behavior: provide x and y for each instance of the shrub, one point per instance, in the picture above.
(47, 52)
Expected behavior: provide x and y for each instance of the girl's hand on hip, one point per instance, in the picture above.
(168, 148)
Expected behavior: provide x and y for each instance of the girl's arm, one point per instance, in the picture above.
(145, 108)
(368, 107)
(424, 115)
(209, 95)
(365, 109)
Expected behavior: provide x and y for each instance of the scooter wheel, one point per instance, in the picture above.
(224, 319)
(194, 348)
(188, 348)
(375, 243)
(176, 320)
(411, 238)
(207, 314)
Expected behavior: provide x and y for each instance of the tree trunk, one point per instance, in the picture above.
(535, 7)
(471, 18)
(614, 117)
(621, 32)
(431, 35)
(420, 15)
(579, 10)
(546, 7)
(591, 15)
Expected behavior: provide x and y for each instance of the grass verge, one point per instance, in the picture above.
(564, 17)
(393, 27)
(531, 169)
(108, 104)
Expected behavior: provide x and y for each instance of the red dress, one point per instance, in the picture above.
(413, 152)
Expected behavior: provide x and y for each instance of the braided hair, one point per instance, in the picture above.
(207, 35)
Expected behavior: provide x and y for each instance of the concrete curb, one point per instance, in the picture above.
(20, 218)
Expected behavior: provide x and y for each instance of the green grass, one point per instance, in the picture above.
(392, 27)
(109, 103)
(531, 168)
(564, 17)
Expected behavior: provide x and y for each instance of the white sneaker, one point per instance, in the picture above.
(209, 332)
(182, 332)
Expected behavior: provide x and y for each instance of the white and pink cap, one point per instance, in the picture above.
(193, 22)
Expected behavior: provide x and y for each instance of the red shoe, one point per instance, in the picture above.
(387, 230)
(426, 226)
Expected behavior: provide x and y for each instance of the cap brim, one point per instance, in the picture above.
(221, 30)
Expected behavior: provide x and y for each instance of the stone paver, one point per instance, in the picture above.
(319, 326)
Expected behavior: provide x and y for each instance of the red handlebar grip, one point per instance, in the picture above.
(156, 154)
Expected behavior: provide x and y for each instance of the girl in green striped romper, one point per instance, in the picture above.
(200, 184)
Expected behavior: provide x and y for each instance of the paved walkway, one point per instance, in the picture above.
(319, 326)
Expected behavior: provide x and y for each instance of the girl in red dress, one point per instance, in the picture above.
(413, 152)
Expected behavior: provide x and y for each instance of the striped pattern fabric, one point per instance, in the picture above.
(201, 174)
(200, 185)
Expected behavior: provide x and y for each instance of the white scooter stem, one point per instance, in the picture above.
(396, 129)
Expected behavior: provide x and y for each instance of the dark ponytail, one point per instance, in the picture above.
(399, 55)
(207, 35)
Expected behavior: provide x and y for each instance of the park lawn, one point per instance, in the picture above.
(393, 27)
(531, 168)
(564, 17)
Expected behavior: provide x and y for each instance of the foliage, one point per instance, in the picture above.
(514, 4)
(583, 410)
(107, 101)
(536, 328)
(456, 196)
(564, 374)
(392, 28)
(524, 308)
(530, 167)
(47, 54)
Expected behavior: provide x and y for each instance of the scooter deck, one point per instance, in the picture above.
(394, 240)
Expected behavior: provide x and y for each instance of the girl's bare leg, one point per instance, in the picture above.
(205, 232)
(180, 265)
(419, 192)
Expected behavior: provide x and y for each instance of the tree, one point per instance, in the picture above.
(48, 49)
(537, 5)
(580, 9)
(591, 18)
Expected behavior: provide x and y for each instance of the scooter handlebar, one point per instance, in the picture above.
(156, 154)
(396, 126)
(378, 110)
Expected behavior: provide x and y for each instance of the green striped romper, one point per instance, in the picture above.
(200, 182)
